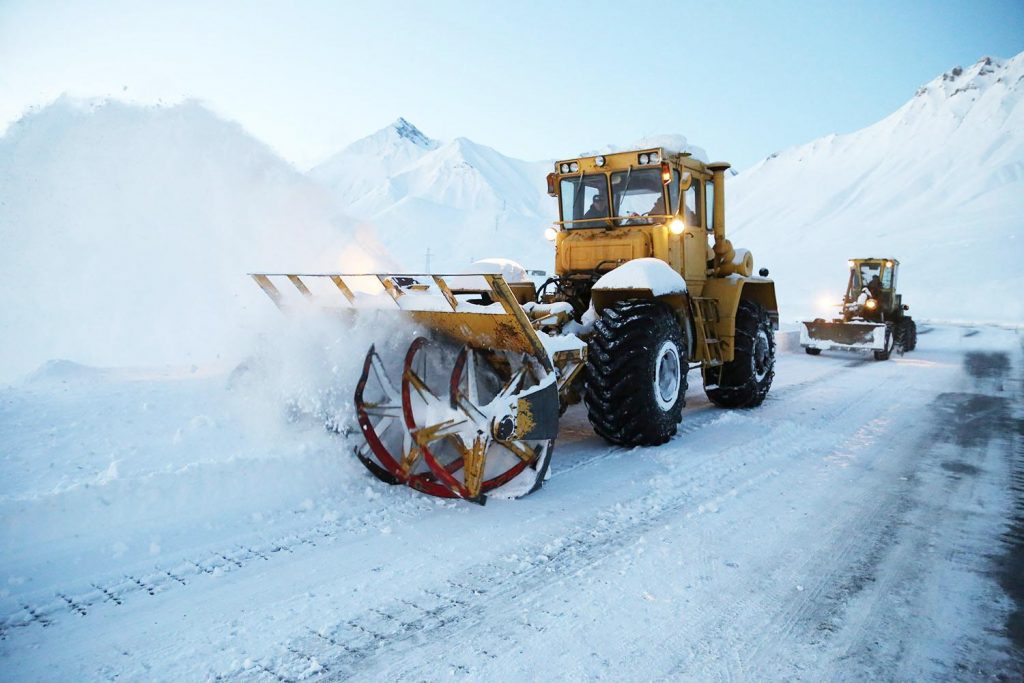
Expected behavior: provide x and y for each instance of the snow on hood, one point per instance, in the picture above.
(644, 273)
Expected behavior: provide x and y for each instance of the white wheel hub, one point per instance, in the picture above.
(759, 358)
(667, 375)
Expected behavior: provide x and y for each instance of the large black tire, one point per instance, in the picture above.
(636, 373)
(890, 343)
(811, 351)
(900, 333)
(911, 335)
(744, 381)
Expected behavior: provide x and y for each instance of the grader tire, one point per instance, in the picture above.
(636, 373)
(811, 351)
(911, 335)
(744, 381)
(901, 336)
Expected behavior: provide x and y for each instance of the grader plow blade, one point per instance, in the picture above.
(473, 410)
(821, 334)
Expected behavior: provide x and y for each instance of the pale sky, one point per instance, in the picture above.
(535, 80)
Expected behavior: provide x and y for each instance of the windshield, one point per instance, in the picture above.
(865, 276)
(637, 193)
(585, 201)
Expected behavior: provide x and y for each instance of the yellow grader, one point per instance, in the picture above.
(646, 286)
(873, 316)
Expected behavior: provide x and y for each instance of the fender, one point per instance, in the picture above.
(729, 291)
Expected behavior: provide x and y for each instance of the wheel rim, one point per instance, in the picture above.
(667, 376)
(761, 356)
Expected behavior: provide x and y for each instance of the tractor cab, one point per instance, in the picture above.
(644, 203)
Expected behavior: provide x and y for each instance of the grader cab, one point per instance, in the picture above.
(645, 285)
(873, 316)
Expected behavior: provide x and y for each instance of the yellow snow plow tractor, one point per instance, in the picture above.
(645, 285)
(873, 315)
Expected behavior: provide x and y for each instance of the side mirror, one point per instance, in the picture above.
(763, 272)
(906, 307)
(551, 185)
(685, 181)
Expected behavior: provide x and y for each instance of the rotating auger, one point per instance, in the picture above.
(473, 410)
(487, 426)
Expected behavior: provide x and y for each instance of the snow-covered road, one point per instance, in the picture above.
(865, 523)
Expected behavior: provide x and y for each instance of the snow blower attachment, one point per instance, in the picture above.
(473, 409)
(873, 315)
(646, 287)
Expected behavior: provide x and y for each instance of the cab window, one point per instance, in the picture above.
(887, 277)
(585, 200)
(690, 216)
(638, 193)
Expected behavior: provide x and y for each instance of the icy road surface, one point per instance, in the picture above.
(865, 523)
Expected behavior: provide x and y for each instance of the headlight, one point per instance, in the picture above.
(888, 264)
(574, 167)
(599, 161)
(849, 264)
(643, 159)
(676, 226)
(550, 234)
(564, 168)
(653, 158)
(871, 304)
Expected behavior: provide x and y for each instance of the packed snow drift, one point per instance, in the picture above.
(127, 234)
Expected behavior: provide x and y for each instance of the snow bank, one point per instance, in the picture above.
(114, 469)
(128, 232)
(509, 269)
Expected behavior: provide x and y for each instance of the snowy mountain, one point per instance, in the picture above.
(460, 199)
(127, 233)
(938, 184)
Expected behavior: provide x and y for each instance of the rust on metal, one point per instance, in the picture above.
(267, 286)
(345, 291)
(301, 286)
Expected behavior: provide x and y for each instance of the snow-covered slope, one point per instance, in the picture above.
(938, 184)
(460, 199)
(127, 233)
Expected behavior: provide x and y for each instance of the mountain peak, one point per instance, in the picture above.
(978, 76)
(408, 131)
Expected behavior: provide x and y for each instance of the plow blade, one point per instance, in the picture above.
(473, 408)
(820, 334)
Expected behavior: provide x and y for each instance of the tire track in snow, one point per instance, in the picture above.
(726, 470)
(76, 601)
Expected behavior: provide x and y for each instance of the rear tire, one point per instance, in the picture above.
(811, 351)
(912, 335)
(744, 381)
(636, 373)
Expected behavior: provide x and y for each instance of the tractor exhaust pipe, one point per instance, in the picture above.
(726, 262)
(718, 168)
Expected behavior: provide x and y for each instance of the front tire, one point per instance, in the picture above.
(811, 351)
(744, 381)
(636, 373)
